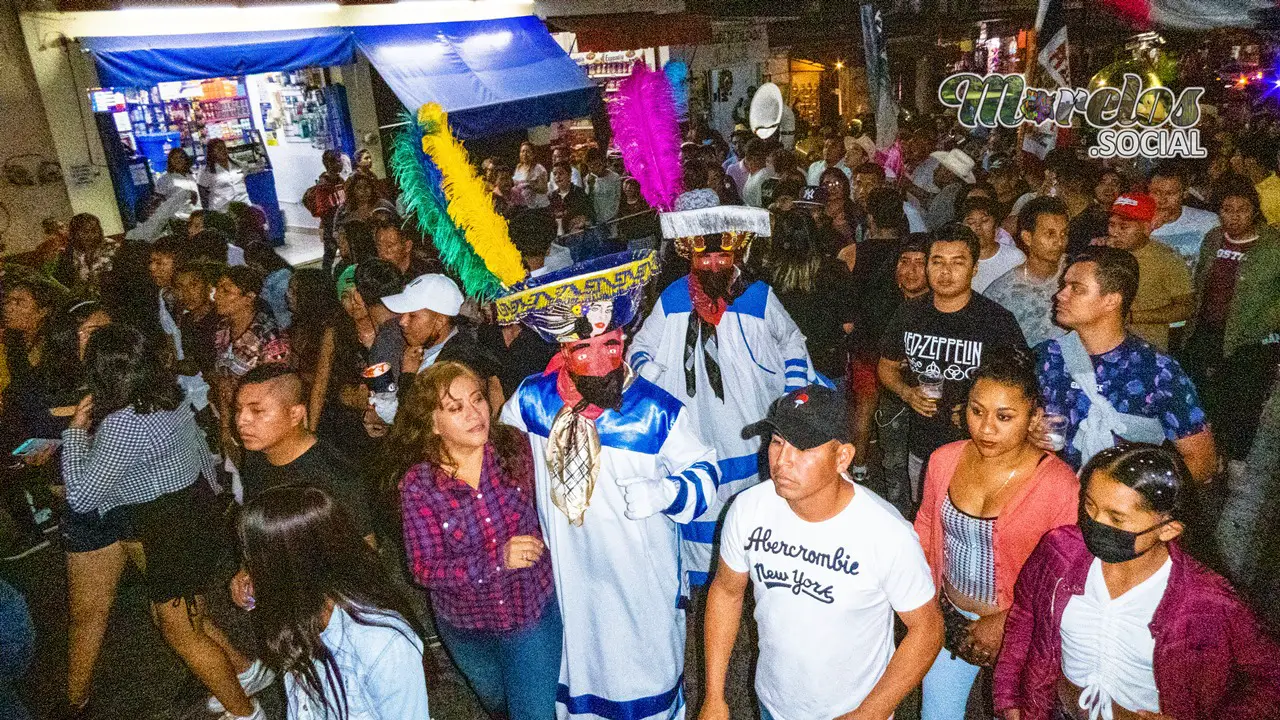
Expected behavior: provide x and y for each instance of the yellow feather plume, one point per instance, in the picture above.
(469, 203)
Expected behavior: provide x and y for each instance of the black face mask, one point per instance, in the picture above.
(603, 391)
(715, 283)
(1111, 544)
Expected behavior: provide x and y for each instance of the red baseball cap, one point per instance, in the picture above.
(1135, 206)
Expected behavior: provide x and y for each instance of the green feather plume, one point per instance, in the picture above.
(419, 181)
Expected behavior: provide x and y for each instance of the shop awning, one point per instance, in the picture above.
(490, 75)
(146, 61)
(634, 30)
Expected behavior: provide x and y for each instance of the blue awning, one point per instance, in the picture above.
(491, 76)
(144, 61)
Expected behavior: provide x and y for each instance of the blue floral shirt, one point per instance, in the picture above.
(1134, 377)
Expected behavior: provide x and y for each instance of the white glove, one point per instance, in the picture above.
(647, 496)
(651, 371)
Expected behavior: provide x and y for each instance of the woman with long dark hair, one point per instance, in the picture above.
(222, 181)
(325, 614)
(323, 340)
(1111, 618)
(839, 217)
(131, 459)
(815, 289)
(30, 314)
(472, 538)
(987, 501)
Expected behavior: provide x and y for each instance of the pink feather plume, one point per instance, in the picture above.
(647, 132)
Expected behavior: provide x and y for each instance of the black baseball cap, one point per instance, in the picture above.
(812, 195)
(806, 418)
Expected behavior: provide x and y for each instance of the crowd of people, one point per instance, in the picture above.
(1003, 429)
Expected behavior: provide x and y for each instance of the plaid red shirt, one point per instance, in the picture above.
(454, 537)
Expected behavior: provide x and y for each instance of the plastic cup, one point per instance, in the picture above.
(930, 386)
(1055, 429)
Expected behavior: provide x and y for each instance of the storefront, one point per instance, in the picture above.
(281, 97)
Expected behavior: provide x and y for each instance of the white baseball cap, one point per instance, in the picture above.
(433, 292)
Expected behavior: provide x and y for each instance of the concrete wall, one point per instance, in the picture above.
(24, 141)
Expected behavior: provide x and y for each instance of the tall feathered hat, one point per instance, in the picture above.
(727, 228)
(452, 207)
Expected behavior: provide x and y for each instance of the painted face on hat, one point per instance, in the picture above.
(594, 356)
(599, 314)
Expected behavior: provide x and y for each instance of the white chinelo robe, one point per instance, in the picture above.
(762, 356)
(618, 580)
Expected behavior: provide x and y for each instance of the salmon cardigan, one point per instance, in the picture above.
(1051, 498)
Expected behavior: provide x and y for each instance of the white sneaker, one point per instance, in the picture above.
(255, 679)
(257, 714)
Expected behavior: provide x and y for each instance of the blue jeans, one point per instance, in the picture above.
(947, 685)
(764, 713)
(17, 645)
(514, 672)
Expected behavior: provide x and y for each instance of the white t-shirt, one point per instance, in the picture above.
(814, 176)
(825, 596)
(169, 184)
(1186, 234)
(1006, 258)
(224, 186)
(523, 178)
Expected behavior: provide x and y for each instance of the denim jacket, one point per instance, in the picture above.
(1211, 661)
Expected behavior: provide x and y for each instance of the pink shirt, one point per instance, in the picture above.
(1048, 500)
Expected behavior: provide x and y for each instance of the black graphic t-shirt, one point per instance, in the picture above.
(949, 346)
(825, 596)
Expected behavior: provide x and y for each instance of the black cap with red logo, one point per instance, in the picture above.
(806, 418)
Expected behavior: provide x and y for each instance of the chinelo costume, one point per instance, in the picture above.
(725, 348)
(613, 484)
(619, 462)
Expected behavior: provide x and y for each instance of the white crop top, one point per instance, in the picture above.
(1107, 647)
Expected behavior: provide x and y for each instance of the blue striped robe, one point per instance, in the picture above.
(618, 580)
(762, 356)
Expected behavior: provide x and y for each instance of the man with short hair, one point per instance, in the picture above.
(1027, 290)
(1165, 294)
(934, 344)
(832, 156)
(604, 186)
(560, 155)
(1256, 160)
(271, 418)
(870, 176)
(375, 279)
(758, 172)
(567, 199)
(1109, 383)
(900, 282)
(736, 166)
(980, 215)
(428, 311)
(394, 245)
(830, 563)
(1176, 225)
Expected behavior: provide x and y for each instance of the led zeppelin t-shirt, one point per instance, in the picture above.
(948, 346)
(825, 596)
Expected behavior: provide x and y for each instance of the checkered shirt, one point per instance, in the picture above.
(133, 458)
(454, 537)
